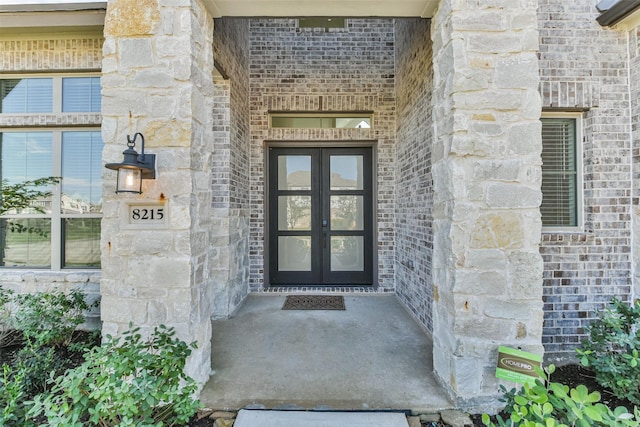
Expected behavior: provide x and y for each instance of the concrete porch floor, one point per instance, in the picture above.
(371, 356)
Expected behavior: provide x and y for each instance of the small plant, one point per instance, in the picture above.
(548, 404)
(127, 381)
(50, 318)
(8, 333)
(612, 350)
(12, 398)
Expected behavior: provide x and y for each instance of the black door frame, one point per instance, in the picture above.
(321, 274)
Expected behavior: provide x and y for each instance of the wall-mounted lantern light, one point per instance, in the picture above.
(134, 168)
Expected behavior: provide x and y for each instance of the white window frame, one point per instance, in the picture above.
(579, 227)
(56, 215)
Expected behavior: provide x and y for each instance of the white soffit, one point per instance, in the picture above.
(346, 8)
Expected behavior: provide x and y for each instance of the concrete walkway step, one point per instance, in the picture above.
(251, 418)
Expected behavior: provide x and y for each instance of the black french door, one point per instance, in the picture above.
(320, 216)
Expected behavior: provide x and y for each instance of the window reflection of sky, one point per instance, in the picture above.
(81, 166)
(26, 156)
(298, 164)
(29, 155)
(345, 166)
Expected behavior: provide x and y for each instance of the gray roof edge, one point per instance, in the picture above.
(618, 12)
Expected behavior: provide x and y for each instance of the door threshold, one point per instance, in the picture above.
(333, 289)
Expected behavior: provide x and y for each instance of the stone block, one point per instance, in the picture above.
(456, 419)
(136, 52)
(513, 196)
(497, 231)
(517, 71)
(127, 18)
(476, 282)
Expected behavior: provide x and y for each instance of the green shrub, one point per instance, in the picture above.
(50, 318)
(127, 381)
(612, 349)
(549, 404)
(36, 365)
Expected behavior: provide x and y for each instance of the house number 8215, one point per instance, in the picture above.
(147, 214)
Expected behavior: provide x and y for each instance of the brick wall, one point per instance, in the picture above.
(414, 197)
(338, 70)
(230, 259)
(634, 56)
(584, 66)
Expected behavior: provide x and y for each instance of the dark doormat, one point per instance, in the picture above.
(314, 302)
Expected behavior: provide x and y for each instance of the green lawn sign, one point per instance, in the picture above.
(517, 365)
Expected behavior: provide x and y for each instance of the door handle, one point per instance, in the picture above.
(325, 223)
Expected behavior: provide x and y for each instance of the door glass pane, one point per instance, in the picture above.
(25, 242)
(346, 172)
(294, 253)
(81, 94)
(347, 253)
(346, 213)
(81, 173)
(27, 156)
(82, 242)
(294, 172)
(294, 212)
(26, 95)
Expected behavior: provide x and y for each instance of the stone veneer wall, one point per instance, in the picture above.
(487, 191)
(414, 184)
(313, 70)
(584, 66)
(230, 262)
(52, 53)
(157, 79)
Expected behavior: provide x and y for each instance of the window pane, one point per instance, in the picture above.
(559, 173)
(81, 173)
(26, 156)
(318, 122)
(81, 242)
(346, 172)
(347, 253)
(294, 253)
(25, 242)
(26, 95)
(347, 213)
(314, 22)
(294, 172)
(294, 212)
(81, 94)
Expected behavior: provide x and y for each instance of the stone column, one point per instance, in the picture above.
(157, 80)
(487, 184)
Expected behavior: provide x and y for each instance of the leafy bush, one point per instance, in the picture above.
(47, 321)
(50, 318)
(127, 381)
(549, 404)
(612, 349)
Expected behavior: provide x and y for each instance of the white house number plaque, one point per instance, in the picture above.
(151, 215)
